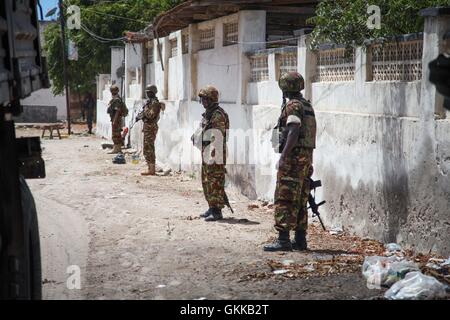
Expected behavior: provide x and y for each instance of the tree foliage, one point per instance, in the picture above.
(345, 21)
(108, 19)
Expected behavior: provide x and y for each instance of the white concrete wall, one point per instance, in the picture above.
(160, 75)
(133, 70)
(45, 97)
(117, 57)
(219, 67)
(149, 74)
(382, 156)
(264, 93)
(103, 124)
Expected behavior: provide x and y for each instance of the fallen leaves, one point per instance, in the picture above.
(322, 268)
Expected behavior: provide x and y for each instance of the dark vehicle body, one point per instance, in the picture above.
(22, 71)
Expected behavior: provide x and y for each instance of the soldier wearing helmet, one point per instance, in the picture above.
(150, 116)
(295, 140)
(116, 110)
(211, 139)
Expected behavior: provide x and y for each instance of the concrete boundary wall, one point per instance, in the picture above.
(383, 152)
(382, 147)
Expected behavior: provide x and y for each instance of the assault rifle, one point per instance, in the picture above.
(312, 200)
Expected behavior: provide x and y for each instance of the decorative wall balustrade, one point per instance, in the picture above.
(287, 62)
(397, 61)
(335, 65)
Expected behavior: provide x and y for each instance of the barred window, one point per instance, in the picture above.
(287, 62)
(397, 61)
(230, 33)
(150, 51)
(173, 48)
(259, 66)
(185, 43)
(207, 39)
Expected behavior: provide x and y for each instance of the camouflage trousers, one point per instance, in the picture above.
(213, 183)
(292, 190)
(150, 132)
(117, 135)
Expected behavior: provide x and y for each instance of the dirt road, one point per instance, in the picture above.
(140, 238)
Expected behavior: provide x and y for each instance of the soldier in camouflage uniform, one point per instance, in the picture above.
(150, 117)
(211, 139)
(297, 140)
(116, 110)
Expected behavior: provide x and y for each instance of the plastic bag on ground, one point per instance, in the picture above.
(385, 271)
(416, 286)
(393, 247)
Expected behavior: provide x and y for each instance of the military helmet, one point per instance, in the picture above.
(151, 88)
(209, 92)
(114, 88)
(291, 82)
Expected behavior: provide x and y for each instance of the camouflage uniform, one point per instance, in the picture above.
(211, 138)
(292, 189)
(151, 114)
(117, 110)
(213, 175)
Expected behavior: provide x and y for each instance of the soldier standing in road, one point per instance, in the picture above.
(297, 140)
(116, 110)
(88, 109)
(150, 117)
(211, 139)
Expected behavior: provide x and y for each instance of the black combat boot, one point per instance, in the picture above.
(216, 214)
(299, 243)
(206, 214)
(282, 244)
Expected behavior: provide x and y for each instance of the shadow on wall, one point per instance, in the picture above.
(394, 171)
(395, 178)
(243, 176)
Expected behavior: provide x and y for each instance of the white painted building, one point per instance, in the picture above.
(382, 133)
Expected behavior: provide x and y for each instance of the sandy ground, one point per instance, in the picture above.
(137, 237)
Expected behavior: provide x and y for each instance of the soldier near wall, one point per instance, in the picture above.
(150, 116)
(88, 110)
(211, 138)
(117, 110)
(295, 140)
